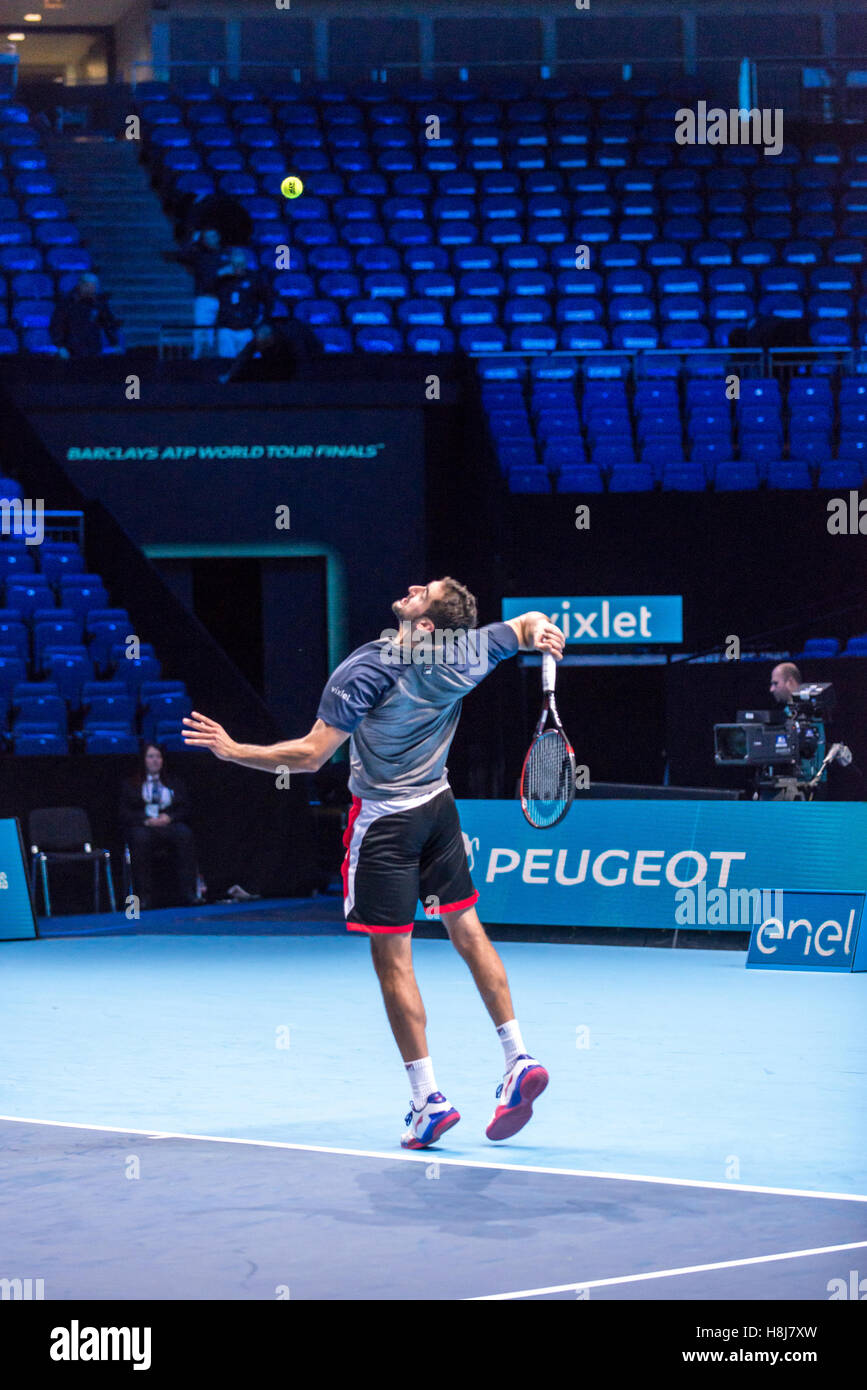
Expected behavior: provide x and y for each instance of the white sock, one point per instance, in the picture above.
(513, 1044)
(421, 1078)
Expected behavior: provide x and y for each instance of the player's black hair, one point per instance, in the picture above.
(457, 609)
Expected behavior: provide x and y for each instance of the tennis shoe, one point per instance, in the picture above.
(525, 1080)
(430, 1123)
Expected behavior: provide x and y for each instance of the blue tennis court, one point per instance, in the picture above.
(217, 1116)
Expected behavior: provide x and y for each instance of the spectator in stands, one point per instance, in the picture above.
(82, 320)
(204, 255)
(153, 812)
(275, 353)
(245, 300)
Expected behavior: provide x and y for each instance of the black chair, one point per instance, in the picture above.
(165, 881)
(62, 834)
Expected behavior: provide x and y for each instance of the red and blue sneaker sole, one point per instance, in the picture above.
(508, 1119)
(446, 1122)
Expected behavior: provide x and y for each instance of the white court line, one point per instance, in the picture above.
(432, 1156)
(668, 1273)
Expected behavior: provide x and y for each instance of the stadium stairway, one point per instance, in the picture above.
(123, 224)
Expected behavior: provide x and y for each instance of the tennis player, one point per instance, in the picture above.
(398, 701)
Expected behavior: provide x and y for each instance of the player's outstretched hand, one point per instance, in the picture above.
(548, 638)
(203, 732)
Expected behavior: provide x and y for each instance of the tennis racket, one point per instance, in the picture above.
(548, 774)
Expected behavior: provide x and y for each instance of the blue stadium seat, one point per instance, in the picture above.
(16, 561)
(613, 453)
(761, 449)
(685, 336)
(430, 339)
(856, 646)
(853, 417)
(26, 595)
(563, 452)
(579, 477)
(368, 312)
(681, 280)
(709, 450)
(756, 252)
(323, 312)
(665, 255)
(681, 308)
(38, 739)
(483, 339)
(532, 337)
(818, 648)
(683, 477)
(68, 670)
(612, 255)
(712, 253)
(112, 708)
(376, 338)
(662, 420)
(763, 391)
(110, 740)
(13, 670)
(731, 308)
(529, 480)
(39, 701)
(735, 477)
(811, 446)
(661, 449)
(81, 593)
(62, 259)
(552, 424)
(791, 474)
(57, 633)
(32, 313)
(625, 477)
(466, 312)
(820, 416)
(852, 448)
(421, 312)
(583, 337)
(760, 419)
(31, 285)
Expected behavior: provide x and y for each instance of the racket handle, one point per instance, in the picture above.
(549, 672)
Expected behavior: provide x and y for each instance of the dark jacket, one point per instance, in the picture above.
(244, 299)
(204, 262)
(293, 345)
(132, 808)
(78, 323)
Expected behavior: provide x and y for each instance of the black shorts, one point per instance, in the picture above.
(392, 860)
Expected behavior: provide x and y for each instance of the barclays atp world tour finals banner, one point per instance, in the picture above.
(718, 865)
(16, 911)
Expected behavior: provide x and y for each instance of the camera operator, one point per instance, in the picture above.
(786, 683)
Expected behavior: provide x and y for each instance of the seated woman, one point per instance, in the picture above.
(153, 811)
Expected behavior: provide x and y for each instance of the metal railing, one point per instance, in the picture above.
(781, 362)
(813, 86)
(177, 342)
(65, 526)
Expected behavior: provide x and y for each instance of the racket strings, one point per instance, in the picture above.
(547, 778)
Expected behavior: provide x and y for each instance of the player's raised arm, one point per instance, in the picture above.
(536, 632)
(298, 755)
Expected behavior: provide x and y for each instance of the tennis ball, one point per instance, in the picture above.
(291, 187)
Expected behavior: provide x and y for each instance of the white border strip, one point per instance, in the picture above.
(668, 1273)
(431, 1155)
